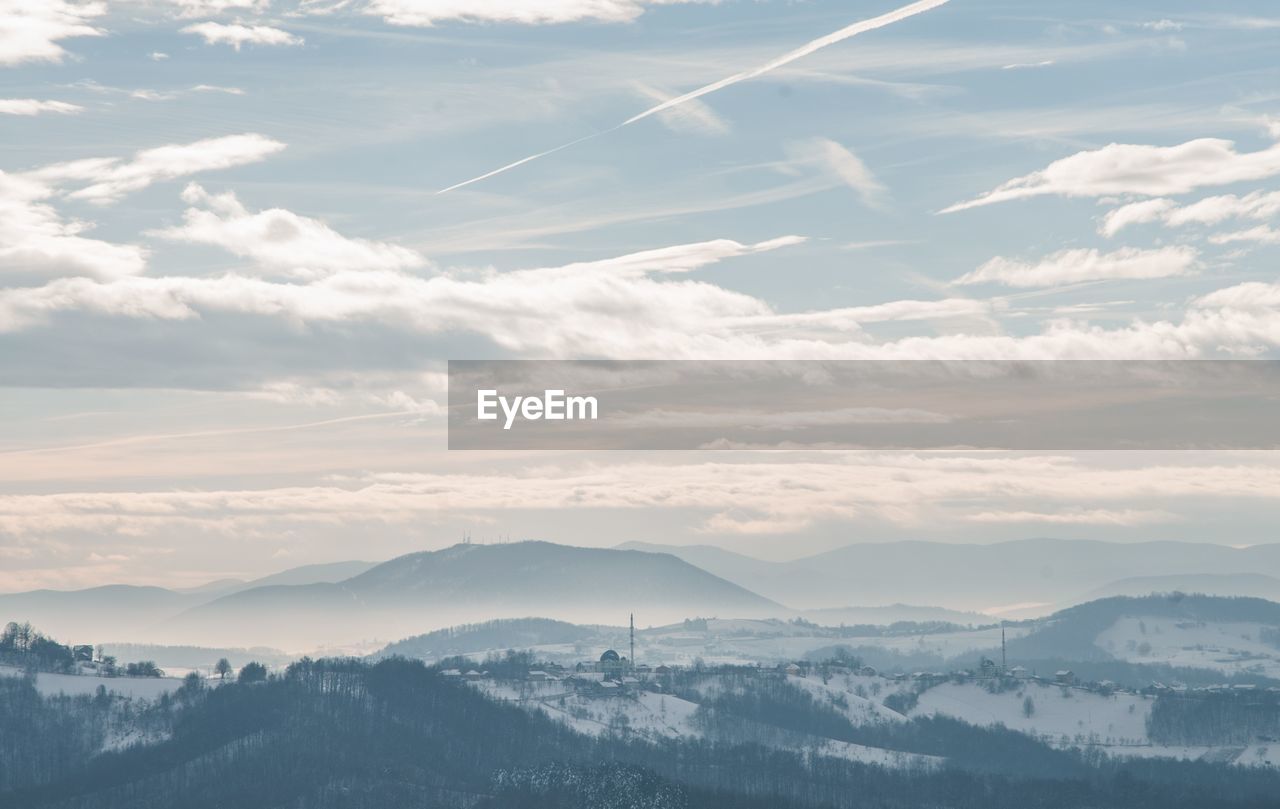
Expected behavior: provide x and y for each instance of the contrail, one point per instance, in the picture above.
(799, 53)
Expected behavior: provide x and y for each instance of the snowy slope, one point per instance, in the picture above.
(1222, 646)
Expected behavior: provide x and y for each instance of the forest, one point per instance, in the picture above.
(347, 733)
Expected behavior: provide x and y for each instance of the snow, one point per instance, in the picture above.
(1225, 647)
(1060, 715)
(76, 684)
(657, 716)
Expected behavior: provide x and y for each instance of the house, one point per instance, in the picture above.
(662, 670)
(451, 673)
(1065, 677)
(536, 676)
(988, 668)
(1019, 672)
(473, 675)
(82, 654)
(867, 671)
(792, 670)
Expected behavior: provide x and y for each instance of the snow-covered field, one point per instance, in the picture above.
(1074, 717)
(75, 684)
(1226, 647)
(1057, 715)
(663, 716)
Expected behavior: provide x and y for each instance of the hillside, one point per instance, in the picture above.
(1231, 635)
(466, 583)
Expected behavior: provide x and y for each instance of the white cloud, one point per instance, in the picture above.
(1163, 25)
(1028, 65)
(1097, 516)
(32, 106)
(693, 118)
(236, 35)
(31, 29)
(1259, 205)
(1135, 213)
(525, 12)
(1074, 266)
(34, 240)
(202, 8)
(279, 239)
(767, 495)
(807, 49)
(1258, 235)
(1141, 170)
(111, 178)
(841, 163)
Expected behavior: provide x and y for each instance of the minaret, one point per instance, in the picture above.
(1004, 660)
(633, 642)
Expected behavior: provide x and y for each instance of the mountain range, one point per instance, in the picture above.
(349, 602)
(1003, 578)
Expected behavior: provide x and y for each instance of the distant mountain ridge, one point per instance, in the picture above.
(1046, 572)
(128, 612)
(463, 583)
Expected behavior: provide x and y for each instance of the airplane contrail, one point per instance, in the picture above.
(799, 53)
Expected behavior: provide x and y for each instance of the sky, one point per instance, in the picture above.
(239, 239)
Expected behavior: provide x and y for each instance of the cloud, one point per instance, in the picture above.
(202, 8)
(1259, 205)
(808, 48)
(1075, 266)
(35, 241)
(278, 239)
(841, 163)
(1259, 235)
(31, 29)
(111, 178)
(524, 12)
(236, 35)
(31, 106)
(771, 493)
(1135, 213)
(1097, 516)
(1027, 65)
(694, 118)
(1141, 170)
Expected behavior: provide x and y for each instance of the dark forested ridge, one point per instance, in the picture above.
(344, 733)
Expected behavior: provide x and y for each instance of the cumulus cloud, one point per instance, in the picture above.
(1074, 266)
(110, 178)
(236, 35)
(278, 239)
(524, 12)
(1149, 171)
(32, 106)
(36, 241)
(31, 29)
(841, 163)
